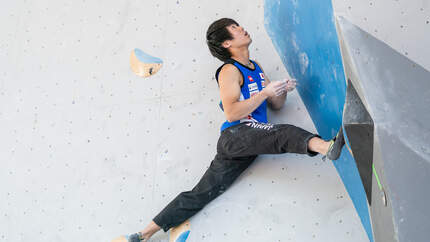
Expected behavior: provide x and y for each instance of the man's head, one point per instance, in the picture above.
(225, 34)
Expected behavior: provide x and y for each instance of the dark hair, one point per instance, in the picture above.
(218, 33)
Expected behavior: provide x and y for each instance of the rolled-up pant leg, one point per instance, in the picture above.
(237, 148)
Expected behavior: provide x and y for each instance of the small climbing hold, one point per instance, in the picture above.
(180, 233)
(144, 65)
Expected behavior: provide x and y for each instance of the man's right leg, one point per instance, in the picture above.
(222, 172)
(263, 138)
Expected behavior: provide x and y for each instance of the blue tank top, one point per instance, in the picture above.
(253, 83)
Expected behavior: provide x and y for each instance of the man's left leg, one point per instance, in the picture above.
(221, 173)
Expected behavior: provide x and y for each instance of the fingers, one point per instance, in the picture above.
(279, 92)
(280, 83)
(279, 87)
(291, 84)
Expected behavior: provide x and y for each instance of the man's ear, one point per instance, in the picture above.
(226, 44)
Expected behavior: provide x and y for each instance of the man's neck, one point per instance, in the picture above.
(241, 56)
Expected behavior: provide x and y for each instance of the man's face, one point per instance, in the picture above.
(240, 37)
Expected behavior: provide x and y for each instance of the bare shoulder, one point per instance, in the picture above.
(229, 74)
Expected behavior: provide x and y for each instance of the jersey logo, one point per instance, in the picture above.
(262, 75)
(253, 89)
(263, 83)
(250, 78)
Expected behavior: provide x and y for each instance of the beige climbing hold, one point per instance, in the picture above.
(180, 233)
(144, 65)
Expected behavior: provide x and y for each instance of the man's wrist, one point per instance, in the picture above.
(264, 94)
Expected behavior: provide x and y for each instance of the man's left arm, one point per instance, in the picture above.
(276, 102)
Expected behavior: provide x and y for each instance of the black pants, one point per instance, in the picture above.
(237, 148)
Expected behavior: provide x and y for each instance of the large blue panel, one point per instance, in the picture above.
(305, 37)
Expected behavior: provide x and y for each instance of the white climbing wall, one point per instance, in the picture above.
(403, 25)
(90, 151)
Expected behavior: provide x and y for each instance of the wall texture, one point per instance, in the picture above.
(387, 42)
(403, 25)
(388, 47)
(396, 92)
(90, 151)
(305, 37)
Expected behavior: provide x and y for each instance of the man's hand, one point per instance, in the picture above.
(275, 88)
(276, 102)
(291, 85)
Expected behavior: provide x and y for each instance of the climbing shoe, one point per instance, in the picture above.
(133, 238)
(335, 147)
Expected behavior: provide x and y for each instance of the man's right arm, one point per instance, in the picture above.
(229, 80)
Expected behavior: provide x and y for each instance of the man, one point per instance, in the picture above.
(245, 94)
